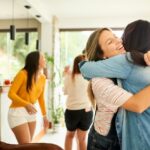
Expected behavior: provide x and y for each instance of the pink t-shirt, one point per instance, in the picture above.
(108, 98)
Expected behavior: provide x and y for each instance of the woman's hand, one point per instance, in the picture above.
(31, 109)
(46, 123)
(147, 58)
(66, 70)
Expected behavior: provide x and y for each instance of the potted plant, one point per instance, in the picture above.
(55, 110)
(57, 116)
(49, 65)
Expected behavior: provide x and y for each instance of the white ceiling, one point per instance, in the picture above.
(83, 9)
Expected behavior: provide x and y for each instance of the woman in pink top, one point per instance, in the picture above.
(108, 97)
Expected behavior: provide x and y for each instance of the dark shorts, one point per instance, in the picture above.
(99, 142)
(78, 119)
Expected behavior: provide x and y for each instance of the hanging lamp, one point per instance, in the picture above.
(37, 41)
(37, 44)
(27, 32)
(12, 26)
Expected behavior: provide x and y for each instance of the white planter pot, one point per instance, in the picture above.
(56, 127)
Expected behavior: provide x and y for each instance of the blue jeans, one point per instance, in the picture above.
(99, 142)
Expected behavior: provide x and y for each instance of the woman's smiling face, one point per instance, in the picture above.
(110, 44)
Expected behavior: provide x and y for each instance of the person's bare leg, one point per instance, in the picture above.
(32, 126)
(69, 140)
(22, 133)
(77, 141)
(81, 135)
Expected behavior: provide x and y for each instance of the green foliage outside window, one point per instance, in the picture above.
(13, 53)
(71, 45)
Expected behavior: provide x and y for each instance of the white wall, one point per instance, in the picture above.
(6, 135)
(99, 22)
(46, 37)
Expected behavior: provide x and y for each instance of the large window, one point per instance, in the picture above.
(13, 53)
(72, 43)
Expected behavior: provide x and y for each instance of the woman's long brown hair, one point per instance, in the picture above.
(76, 69)
(91, 95)
(31, 66)
(136, 40)
(94, 53)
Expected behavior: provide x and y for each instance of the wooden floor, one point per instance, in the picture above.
(57, 138)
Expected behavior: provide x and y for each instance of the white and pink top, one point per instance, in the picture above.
(109, 98)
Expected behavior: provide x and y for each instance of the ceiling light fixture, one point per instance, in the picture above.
(12, 26)
(37, 41)
(38, 16)
(27, 32)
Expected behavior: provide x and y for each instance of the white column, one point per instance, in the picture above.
(46, 38)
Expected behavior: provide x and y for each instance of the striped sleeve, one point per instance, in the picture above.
(109, 94)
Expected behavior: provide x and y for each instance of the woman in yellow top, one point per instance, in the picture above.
(27, 88)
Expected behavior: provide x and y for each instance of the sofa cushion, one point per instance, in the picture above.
(29, 146)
